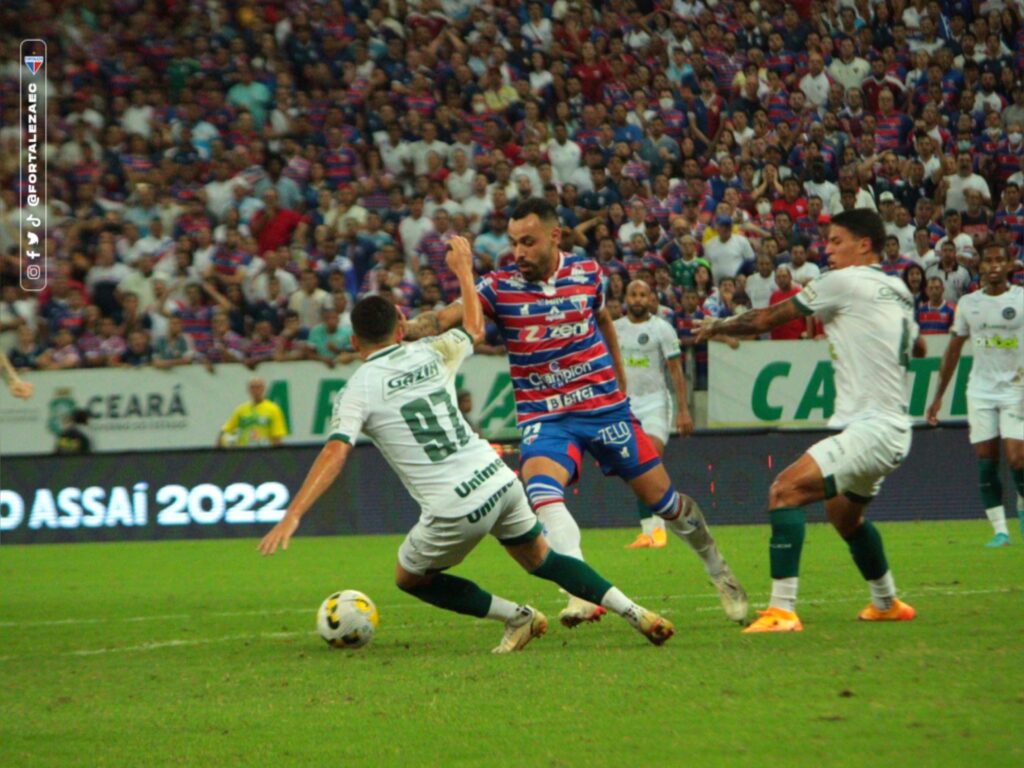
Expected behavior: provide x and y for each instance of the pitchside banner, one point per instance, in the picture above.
(209, 494)
(154, 410)
(792, 384)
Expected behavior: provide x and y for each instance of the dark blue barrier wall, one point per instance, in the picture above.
(212, 494)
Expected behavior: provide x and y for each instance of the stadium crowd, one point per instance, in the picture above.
(226, 178)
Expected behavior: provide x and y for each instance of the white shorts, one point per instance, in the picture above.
(436, 543)
(654, 412)
(988, 420)
(856, 461)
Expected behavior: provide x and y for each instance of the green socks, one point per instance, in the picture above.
(1018, 480)
(868, 553)
(454, 594)
(990, 484)
(788, 524)
(574, 576)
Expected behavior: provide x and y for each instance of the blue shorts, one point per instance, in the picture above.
(613, 437)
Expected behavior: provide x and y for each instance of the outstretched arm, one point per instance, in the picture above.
(752, 323)
(460, 261)
(322, 474)
(433, 323)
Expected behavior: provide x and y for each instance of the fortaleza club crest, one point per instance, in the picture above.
(33, 63)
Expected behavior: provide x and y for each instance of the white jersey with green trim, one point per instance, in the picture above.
(645, 348)
(869, 321)
(403, 398)
(995, 325)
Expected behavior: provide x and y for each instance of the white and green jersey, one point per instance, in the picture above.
(645, 348)
(403, 398)
(869, 320)
(996, 327)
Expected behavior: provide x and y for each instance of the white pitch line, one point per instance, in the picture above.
(184, 643)
(709, 595)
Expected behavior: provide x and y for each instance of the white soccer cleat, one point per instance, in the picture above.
(528, 624)
(732, 595)
(579, 611)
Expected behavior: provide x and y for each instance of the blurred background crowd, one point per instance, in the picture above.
(226, 178)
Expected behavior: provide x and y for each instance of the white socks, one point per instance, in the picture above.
(784, 593)
(616, 602)
(560, 529)
(997, 516)
(650, 524)
(883, 591)
(502, 609)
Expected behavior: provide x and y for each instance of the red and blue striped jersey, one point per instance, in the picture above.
(935, 319)
(1013, 219)
(558, 360)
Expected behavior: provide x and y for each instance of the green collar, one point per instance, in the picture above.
(384, 352)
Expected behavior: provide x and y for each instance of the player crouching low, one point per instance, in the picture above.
(403, 398)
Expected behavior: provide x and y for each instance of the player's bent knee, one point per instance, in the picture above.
(652, 485)
(410, 582)
(530, 555)
(781, 494)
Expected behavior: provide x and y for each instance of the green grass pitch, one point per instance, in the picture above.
(204, 654)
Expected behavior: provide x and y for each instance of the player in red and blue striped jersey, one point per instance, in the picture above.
(568, 381)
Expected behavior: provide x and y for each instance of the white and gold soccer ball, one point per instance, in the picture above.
(347, 619)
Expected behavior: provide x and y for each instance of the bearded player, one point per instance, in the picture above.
(569, 384)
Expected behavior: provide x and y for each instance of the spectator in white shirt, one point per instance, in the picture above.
(761, 285)
(565, 155)
(413, 227)
(310, 300)
(954, 277)
(727, 252)
(964, 178)
(801, 270)
(816, 85)
(460, 178)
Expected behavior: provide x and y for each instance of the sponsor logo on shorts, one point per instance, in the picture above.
(530, 434)
(488, 505)
(479, 477)
(615, 434)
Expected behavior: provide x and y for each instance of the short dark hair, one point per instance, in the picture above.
(996, 247)
(374, 319)
(538, 206)
(863, 222)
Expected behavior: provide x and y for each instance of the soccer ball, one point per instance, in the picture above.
(347, 619)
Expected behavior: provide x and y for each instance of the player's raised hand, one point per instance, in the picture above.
(280, 534)
(932, 414)
(459, 257)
